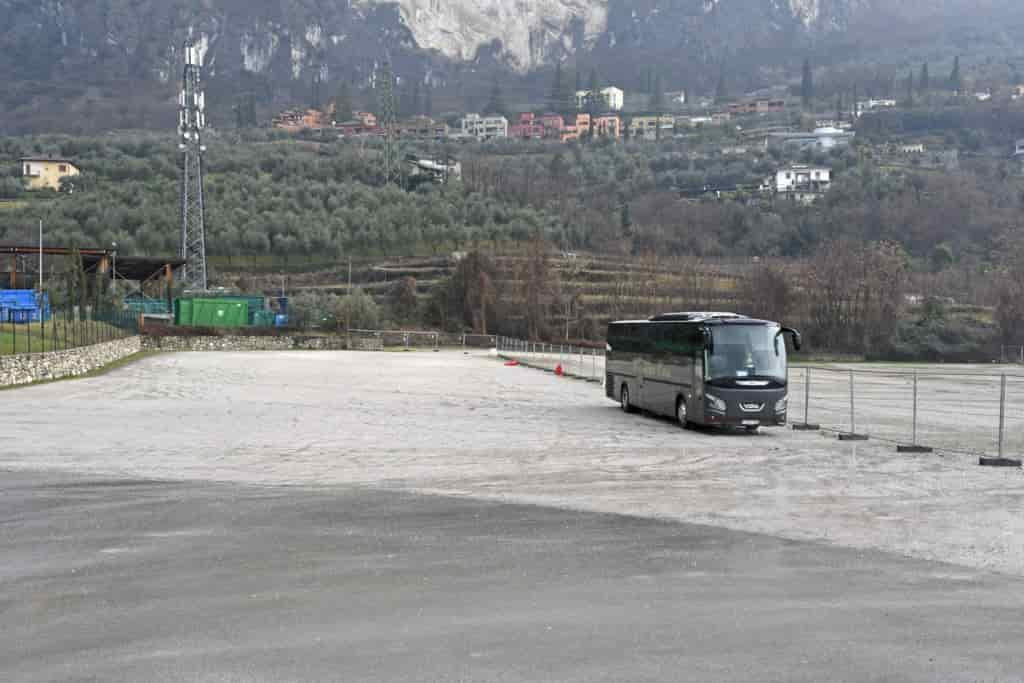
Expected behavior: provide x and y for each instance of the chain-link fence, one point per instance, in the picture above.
(1011, 354)
(65, 329)
(916, 409)
(571, 360)
(955, 411)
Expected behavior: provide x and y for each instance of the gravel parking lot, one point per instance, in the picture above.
(465, 425)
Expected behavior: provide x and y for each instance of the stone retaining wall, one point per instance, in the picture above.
(34, 367)
(287, 343)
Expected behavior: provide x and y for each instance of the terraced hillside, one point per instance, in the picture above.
(583, 290)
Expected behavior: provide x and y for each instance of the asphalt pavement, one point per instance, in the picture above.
(136, 580)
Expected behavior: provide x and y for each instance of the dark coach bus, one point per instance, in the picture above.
(701, 368)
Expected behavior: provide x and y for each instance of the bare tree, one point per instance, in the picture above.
(767, 293)
(1010, 289)
(855, 292)
(535, 282)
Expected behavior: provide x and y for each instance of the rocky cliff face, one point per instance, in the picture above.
(81, 55)
(289, 37)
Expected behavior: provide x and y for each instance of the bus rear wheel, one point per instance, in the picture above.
(624, 399)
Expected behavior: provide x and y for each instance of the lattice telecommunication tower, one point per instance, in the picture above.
(191, 123)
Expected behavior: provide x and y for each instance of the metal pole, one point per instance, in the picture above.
(914, 441)
(807, 395)
(853, 414)
(1002, 412)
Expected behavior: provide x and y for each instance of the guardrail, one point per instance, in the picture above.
(566, 359)
(427, 339)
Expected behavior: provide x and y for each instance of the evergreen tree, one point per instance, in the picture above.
(417, 98)
(856, 103)
(239, 115)
(555, 96)
(807, 84)
(496, 102)
(250, 113)
(839, 107)
(658, 94)
(955, 82)
(594, 101)
(428, 101)
(925, 82)
(245, 111)
(343, 103)
(625, 219)
(910, 89)
(314, 99)
(722, 87)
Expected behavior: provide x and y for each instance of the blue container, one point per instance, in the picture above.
(24, 306)
(280, 320)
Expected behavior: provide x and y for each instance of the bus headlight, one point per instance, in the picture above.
(781, 404)
(715, 403)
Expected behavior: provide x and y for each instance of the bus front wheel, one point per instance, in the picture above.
(681, 414)
(624, 399)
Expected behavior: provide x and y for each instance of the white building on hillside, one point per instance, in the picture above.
(611, 98)
(800, 183)
(821, 138)
(869, 105)
(484, 127)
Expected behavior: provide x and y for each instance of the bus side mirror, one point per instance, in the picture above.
(709, 341)
(798, 340)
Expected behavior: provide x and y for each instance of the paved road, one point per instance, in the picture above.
(127, 580)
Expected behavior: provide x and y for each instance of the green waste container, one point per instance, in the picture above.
(211, 313)
(183, 312)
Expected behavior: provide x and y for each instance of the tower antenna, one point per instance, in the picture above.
(387, 112)
(191, 123)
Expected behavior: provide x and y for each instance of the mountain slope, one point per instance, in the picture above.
(115, 62)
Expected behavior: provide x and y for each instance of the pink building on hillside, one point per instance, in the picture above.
(528, 127)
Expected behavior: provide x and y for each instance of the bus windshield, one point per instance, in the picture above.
(747, 352)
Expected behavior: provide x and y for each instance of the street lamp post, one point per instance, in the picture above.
(114, 245)
(40, 254)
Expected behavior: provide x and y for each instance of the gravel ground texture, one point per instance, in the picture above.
(467, 425)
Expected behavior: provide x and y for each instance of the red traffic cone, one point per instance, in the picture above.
(558, 370)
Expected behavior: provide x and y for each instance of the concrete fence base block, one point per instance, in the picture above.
(853, 437)
(914, 449)
(806, 428)
(999, 462)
